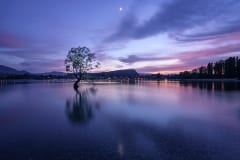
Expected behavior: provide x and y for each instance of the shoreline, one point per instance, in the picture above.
(206, 80)
(112, 81)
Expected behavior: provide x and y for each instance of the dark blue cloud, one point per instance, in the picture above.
(134, 58)
(221, 16)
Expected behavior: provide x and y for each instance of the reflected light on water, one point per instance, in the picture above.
(120, 149)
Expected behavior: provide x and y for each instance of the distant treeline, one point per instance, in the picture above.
(229, 68)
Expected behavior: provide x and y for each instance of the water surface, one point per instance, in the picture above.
(146, 120)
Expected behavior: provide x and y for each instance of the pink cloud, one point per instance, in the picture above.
(209, 52)
(10, 40)
(228, 37)
(43, 65)
(193, 59)
(165, 69)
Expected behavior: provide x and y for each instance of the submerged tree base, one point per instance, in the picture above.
(76, 86)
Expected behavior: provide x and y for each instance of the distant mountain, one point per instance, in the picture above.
(4, 70)
(126, 72)
(131, 73)
(8, 72)
(144, 74)
(54, 73)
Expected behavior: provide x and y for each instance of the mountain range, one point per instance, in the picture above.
(4, 70)
(8, 71)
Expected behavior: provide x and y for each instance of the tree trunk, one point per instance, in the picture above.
(75, 86)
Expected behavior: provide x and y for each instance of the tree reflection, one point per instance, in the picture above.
(79, 109)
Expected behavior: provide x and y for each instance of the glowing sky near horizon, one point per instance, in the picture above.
(150, 36)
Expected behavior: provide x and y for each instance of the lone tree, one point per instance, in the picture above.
(79, 61)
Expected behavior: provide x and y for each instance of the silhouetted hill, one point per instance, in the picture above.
(127, 72)
(130, 73)
(4, 70)
(54, 73)
(11, 73)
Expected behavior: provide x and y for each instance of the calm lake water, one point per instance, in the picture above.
(107, 121)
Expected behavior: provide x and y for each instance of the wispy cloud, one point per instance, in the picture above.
(180, 16)
(190, 60)
(22, 53)
(43, 65)
(134, 58)
(205, 53)
(8, 40)
(175, 68)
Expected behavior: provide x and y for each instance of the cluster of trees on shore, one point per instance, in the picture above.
(229, 68)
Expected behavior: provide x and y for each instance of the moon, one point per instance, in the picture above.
(120, 9)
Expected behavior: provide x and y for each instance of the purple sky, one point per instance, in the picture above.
(147, 35)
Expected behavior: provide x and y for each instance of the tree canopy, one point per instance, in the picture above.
(79, 61)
